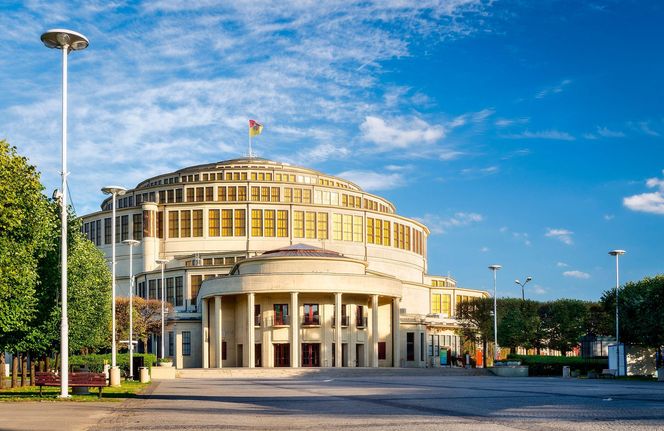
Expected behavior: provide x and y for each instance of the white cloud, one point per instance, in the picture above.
(374, 181)
(539, 290)
(652, 203)
(609, 217)
(519, 236)
(484, 249)
(645, 128)
(608, 133)
(400, 132)
(439, 225)
(506, 122)
(555, 89)
(562, 235)
(577, 274)
(544, 134)
(562, 265)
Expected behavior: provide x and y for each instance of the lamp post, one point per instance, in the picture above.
(617, 253)
(496, 353)
(67, 41)
(162, 262)
(528, 279)
(131, 243)
(114, 191)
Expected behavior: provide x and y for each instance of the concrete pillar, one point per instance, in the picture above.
(374, 331)
(205, 335)
(338, 360)
(177, 348)
(218, 338)
(295, 331)
(251, 332)
(396, 333)
(150, 243)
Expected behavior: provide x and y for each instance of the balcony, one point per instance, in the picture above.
(311, 321)
(280, 320)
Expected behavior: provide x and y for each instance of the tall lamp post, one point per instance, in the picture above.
(162, 262)
(528, 279)
(131, 243)
(67, 41)
(617, 253)
(496, 353)
(114, 191)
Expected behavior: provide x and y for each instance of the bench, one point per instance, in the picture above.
(609, 373)
(75, 379)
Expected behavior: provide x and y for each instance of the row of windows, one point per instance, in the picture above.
(442, 283)
(214, 261)
(311, 315)
(186, 343)
(174, 290)
(441, 304)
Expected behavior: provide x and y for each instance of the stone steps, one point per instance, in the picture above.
(286, 373)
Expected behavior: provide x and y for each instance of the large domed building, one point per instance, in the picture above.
(274, 265)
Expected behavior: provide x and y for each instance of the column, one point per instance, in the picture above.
(396, 333)
(374, 330)
(295, 331)
(338, 360)
(177, 348)
(205, 337)
(251, 332)
(217, 330)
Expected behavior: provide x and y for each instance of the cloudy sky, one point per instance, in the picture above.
(528, 134)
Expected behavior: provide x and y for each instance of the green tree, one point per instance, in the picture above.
(476, 319)
(146, 317)
(519, 325)
(564, 322)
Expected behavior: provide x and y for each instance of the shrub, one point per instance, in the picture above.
(553, 365)
(95, 363)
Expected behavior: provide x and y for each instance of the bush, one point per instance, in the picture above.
(95, 363)
(553, 365)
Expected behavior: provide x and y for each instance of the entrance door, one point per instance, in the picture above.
(359, 355)
(282, 355)
(258, 355)
(311, 354)
(344, 354)
(239, 355)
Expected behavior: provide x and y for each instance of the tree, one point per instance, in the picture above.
(519, 323)
(476, 319)
(146, 317)
(564, 322)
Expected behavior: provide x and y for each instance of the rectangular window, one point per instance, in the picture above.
(282, 223)
(322, 225)
(446, 305)
(370, 230)
(297, 196)
(421, 346)
(171, 343)
(209, 193)
(124, 227)
(173, 225)
(170, 294)
(257, 315)
(298, 224)
(185, 224)
(226, 222)
(386, 232)
(107, 230)
(255, 193)
(179, 292)
(269, 223)
(310, 225)
(221, 194)
(240, 223)
(306, 196)
(288, 194)
(141, 290)
(406, 238)
(160, 224)
(197, 223)
(223, 350)
(178, 195)
(242, 193)
(410, 346)
(213, 223)
(348, 227)
(311, 316)
(117, 229)
(435, 303)
(232, 194)
(382, 350)
(159, 288)
(336, 227)
(186, 343)
(265, 194)
(190, 194)
(281, 314)
(358, 234)
(359, 318)
(200, 194)
(152, 289)
(256, 222)
(137, 227)
(195, 285)
(274, 191)
(170, 195)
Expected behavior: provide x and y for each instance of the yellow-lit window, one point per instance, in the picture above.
(278, 177)
(173, 226)
(232, 196)
(386, 232)
(256, 222)
(446, 305)
(268, 176)
(282, 223)
(306, 196)
(200, 194)
(209, 193)
(358, 234)
(190, 194)
(298, 224)
(185, 224)
(337, 232)
(406, 238)
(378, 231)
(254, 176)
(226, 222)
(348, 227)
(213, 223)
(269, 223)
(243, 176)
(221, 194)
(297, 196)
(240, 223)
(370, 230)
(255, 193)
(261, 176)
(242, 193)
(322, 225)
(288, 194)
(435, 303)
(344, 200)
(291, 178)
(236, 176)
(310, 225)
(275, 194)
(229, 176)
(265, 194)
(197, 223)
(358, 202)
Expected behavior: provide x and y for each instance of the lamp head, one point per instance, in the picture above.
(528, 279)
(60, 38)
(495, 267)
(117, 190)
(131, 242)
(162, 261)
(517, 281)
(617, 252)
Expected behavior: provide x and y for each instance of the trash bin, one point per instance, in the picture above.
(566, 372)
(144, 374)
(138, 362)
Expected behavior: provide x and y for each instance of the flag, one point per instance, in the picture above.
(255, 129)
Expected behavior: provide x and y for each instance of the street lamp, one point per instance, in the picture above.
(496, 353)
(113, 191)
(617, 253)
(67, 41)
(523, 297)
(131, 243)
(162, 262)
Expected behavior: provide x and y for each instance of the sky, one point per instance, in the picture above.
(528, 134)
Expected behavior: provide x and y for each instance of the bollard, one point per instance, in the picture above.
(144, 375)
(566, 372)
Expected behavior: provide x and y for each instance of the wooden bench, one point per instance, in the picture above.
(75, 379)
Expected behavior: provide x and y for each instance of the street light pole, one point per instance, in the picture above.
(496, 353)
(114, 191)
(617, 253)
(131, 243)
(523, 295)
(65, 40)
(162, 262)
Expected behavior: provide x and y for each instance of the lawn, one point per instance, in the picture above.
(31, 393)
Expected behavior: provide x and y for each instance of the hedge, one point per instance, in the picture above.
(96, 362)
(553, 365)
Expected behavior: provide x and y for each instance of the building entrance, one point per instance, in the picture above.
(282, 355)
(311, 354)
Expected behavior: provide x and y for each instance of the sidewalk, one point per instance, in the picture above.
(52, 415)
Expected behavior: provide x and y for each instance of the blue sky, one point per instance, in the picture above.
(529, 134)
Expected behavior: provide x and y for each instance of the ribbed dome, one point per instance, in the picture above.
(302, 250)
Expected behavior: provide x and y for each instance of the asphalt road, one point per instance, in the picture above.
(393, 402)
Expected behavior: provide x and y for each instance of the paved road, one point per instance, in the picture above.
(397, 402)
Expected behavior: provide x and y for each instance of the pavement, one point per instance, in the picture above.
(374, 401)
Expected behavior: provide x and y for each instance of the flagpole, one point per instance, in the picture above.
(250, 153)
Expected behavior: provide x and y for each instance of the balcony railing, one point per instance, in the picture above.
(345, 321)
(311, 321)
(280, 320)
